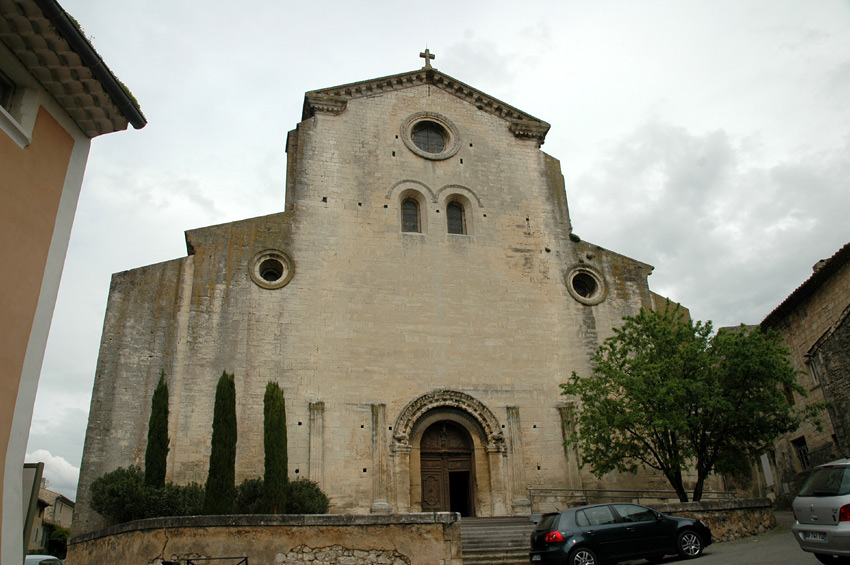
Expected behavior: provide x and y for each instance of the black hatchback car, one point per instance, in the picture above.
(608, 533)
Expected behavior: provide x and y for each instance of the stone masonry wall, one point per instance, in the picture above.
(801, 329)
(374, 318)
(412, 539)
(728, 519)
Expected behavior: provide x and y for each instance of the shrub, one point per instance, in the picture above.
(121, 496)
(305, 497)
(249, 497)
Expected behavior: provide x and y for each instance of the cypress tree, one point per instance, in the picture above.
(220, 494)
(157, 450)
(274, 441)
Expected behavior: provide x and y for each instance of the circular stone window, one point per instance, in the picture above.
(586, 285)
(271, 269)
(430, 135)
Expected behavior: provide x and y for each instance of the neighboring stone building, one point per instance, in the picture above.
(419, 301)
(813, 322)
(56, 94)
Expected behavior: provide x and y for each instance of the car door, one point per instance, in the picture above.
(643, 528)
(601, 528)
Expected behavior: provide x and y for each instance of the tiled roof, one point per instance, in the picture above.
(808, 288)
(55, 51)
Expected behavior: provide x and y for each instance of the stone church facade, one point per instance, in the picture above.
(419, 301)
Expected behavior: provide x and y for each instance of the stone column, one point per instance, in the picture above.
(519, 494)
(380, 471)
(401, 472)
(495, 459)
(567, 414)
(316, 470)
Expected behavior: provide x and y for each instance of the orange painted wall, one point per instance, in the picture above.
(31, 181)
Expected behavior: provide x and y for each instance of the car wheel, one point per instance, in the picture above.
(832, 559)
(582, 556)
(689, 544)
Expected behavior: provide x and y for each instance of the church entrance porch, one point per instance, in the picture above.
(447, 454)
(446, 462)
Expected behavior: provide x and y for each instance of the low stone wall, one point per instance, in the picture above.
(331, 539)
(728, 519)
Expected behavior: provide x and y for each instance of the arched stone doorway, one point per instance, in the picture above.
(447, 470)
(474, 441)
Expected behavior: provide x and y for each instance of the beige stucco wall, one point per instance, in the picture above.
(415, 539)
(34, 195)
(373, 318)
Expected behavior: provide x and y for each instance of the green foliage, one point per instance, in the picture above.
(157, 450)
(666, 394)
(249, 497)
(221, 487)
(57, 539)
(274, 442)
(305, 497)
(574, 237)
(122, 495)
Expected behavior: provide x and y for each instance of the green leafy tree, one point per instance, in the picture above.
(667, 394)
(157, 449)
(274, 442)
(221, 479)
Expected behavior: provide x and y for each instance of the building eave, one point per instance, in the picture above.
(809, 287)
(54, 50)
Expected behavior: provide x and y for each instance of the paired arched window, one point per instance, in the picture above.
(410, 216)
(456, 222)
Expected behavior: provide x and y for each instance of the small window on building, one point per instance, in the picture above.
(410, 216)
(429, 136)
(7, 87)
(802, 450)
(455, 218)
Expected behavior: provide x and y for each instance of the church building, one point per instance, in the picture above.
(419, 300)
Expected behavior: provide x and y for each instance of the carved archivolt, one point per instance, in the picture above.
(442, 399)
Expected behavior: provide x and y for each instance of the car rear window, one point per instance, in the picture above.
(546, 522)
(828, 481)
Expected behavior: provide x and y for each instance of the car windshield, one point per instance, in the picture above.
(828, 481)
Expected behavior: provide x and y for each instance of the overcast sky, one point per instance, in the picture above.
(709, 139)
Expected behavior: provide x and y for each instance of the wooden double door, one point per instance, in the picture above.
(446, 469)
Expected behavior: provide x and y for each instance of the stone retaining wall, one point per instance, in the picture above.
(728, 519)
(333, 539)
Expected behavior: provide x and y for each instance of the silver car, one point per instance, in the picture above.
(822, 510)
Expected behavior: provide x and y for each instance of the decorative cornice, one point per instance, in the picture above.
(530, 129)
(527, 126)
(326, 103)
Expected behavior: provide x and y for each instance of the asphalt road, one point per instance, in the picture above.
(777, 547)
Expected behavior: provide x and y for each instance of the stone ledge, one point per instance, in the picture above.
(232, 520)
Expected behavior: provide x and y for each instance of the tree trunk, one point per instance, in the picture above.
(699, 486)
(675, 478)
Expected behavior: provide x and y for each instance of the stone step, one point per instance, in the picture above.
(502, 540)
